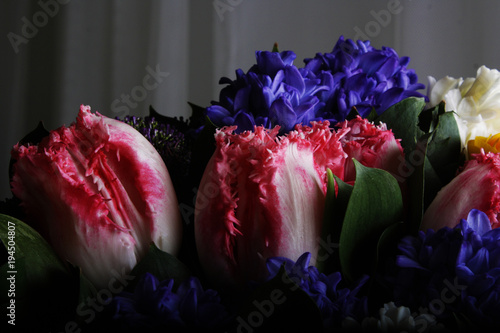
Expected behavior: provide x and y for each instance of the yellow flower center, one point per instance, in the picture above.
(489, 144)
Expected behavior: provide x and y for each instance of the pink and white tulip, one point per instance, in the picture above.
(100, 193)
(477, 186)
(262, 195)
(373, 146)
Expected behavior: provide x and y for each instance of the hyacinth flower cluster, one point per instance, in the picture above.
(276, 92)
(170, 142)
(361, 76)
(155, 305)
(452, 272)
(273, 92)
(478, 268)
(335, 303)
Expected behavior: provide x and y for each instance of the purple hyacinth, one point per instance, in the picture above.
(335, 303)
(453, 271)
(272, 92)
(170, 142)
(478, 269)
(427, 265)
(276, 92)
(360, 76)
(156, 305)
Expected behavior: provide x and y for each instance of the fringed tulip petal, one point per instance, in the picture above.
(100, 194)
(477, 186)
(262, 196)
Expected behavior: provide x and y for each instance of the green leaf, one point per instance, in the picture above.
(444, 149)
(416, 180)
(278, 305)
(431, 144)
(353, 113)
(389, 239)
(375, 204)
(380, 289)
(403, 118)
(428, 118)
(162, 265)
(30, 249)
(373, 115)
(197, 118)
(327, 260)
(45, 290)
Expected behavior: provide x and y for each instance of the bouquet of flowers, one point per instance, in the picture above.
(330, 197)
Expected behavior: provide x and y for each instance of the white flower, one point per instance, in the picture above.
(476, 102)
(393, 319)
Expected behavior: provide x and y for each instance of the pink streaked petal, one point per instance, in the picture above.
(100, 193)
(262, 196)
(476, 187)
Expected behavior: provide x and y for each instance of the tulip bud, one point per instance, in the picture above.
(261, 196)
(99, 193)
(477, 186)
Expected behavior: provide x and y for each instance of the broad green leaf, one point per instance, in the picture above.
(45, 290)
(415, 184)
(32, 249)
(403, 118)
(375, 204)
(429, 118)
(386, 252)
(444, 149)
(335, 208)
(162, 265)
(389, 239)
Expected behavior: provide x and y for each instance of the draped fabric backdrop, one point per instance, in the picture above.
(120, 57)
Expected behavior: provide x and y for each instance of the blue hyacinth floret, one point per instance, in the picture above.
(334, 302)
(273, 92)
(276, 92)
(156, 304)
(361, 76)
(453, 273)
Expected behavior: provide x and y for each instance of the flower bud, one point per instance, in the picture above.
(99, 193)
(261, 196)
(477, 186)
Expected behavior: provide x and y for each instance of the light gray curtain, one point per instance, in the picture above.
(119, 57)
